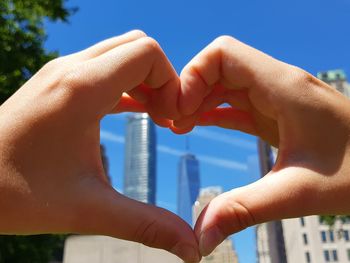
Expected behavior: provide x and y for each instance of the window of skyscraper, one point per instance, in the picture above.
(305, 239)
(326, 255)
(323, 236)
(302, 221)
(335, 255)
(308, 257)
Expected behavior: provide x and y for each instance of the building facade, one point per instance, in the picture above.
(188, 186)
(309, 240)
(337, 79)
(305, 239)
(269, 236)
(140, 159)
(224, 253)
(103, 249)
(105, 162)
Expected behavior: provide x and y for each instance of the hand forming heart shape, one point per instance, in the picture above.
(51, 173)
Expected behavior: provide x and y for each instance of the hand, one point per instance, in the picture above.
(305, 118)
(51, 174)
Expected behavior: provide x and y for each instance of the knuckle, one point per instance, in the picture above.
(150, 44)
(147, 233)
(301, 76)
(72, 77)
(138, 32)
(54, 64)
(224, 40)
(237, 212)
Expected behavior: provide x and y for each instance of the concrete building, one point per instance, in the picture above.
(269, 236)
(188, 186)
(337, 79)
(304, 239)
(102, 249)
(308, 240)
(140, 159)
(225, 252)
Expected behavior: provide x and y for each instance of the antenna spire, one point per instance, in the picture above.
(187, 143)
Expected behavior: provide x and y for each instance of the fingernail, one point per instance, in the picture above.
(209, 240)
(186, 252)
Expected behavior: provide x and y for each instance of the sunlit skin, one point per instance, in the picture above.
(52, 180)
(305, 118)
(51, 175)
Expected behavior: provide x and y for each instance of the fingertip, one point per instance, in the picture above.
(162, 122)
(164, 100)
(193, 91)
(181, 131)
(209, 240)
(187, 252)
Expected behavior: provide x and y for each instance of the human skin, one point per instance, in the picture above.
(305, 118)
(51, 174)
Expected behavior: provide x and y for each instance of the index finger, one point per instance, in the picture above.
(227, 61)
(101, 81)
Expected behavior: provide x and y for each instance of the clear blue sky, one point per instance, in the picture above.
(313, 34)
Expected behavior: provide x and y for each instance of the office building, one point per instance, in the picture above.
(103, 249)
(188, 186)
(304, 239)
(105, 162)
(269, 236)
(224, 253)
(140, 159)
(337, 79)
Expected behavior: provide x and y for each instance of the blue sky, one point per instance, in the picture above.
(313, 34)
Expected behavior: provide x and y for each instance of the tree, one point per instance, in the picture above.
(22, 36)
(330, 220)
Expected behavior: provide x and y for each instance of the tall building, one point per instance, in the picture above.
(269, 236)
(188, 186)
(105, 162)
(224, 253)
(305, 239)
(140, 159)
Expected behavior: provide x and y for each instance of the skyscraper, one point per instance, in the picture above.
(269, 236)
(224, 253)
(140, 159)
(188, 186)
(105, 162)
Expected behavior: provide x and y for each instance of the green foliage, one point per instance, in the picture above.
(22, 53)
(22, 36)
(30, 249)
(330, 220)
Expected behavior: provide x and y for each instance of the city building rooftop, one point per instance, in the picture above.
(332, 75)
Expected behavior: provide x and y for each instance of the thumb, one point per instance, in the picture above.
(278, 195)
(118, 216)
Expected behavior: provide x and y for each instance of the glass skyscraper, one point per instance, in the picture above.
(188, 186)
(140, 159)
